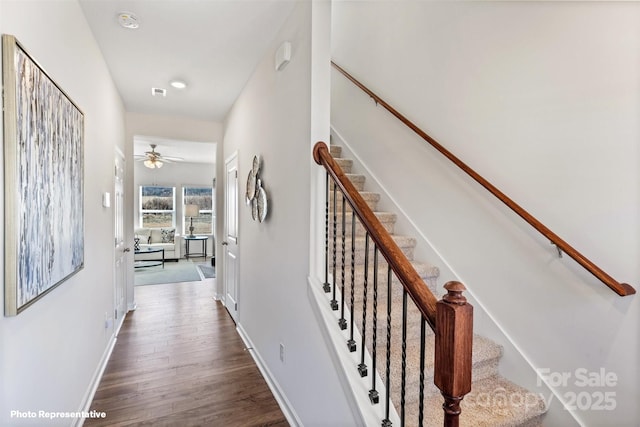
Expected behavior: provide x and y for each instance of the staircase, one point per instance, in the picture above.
(493, 401)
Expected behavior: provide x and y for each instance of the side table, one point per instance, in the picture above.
(189, 239)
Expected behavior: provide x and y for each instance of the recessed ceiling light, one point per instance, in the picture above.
(178, 84)
(128, 20)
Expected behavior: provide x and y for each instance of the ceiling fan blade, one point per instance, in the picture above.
(172, 158)
(154, 156)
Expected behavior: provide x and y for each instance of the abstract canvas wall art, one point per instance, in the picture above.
(44, 174)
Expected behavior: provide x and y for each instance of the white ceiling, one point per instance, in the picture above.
(213, 45)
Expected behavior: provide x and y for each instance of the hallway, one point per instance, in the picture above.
(178, 360)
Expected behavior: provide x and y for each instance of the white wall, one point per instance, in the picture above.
(50, 352)
(272, 118)
(543, 99)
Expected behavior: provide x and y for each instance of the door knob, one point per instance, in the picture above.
(126, 250)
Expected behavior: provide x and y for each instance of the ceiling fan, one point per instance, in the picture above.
(153, 159)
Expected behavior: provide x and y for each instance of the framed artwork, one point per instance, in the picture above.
(44, 181)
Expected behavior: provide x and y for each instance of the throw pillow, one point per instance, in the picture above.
(168, 235)
(144, 234)
(136, 244)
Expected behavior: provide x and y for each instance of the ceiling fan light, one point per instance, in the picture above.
(153, 163)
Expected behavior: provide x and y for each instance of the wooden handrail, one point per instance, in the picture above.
(622, 289)
(397, 260)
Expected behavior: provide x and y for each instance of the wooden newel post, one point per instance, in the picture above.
(454, 339)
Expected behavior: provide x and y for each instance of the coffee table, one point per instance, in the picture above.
(149, 262)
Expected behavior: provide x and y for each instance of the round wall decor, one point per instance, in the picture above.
(255, 195)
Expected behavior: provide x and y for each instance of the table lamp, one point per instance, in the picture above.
(191, 211)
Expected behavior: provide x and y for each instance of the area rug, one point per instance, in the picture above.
(173, 272)
(207, 271)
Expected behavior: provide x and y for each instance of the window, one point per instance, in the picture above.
(157, 207)
(203, 198)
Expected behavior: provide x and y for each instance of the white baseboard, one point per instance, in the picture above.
(95, 381)
(281, 398)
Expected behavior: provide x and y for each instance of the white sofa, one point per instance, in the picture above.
(157, 238)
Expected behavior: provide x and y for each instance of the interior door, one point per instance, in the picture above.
(120, 248)
(230, 242)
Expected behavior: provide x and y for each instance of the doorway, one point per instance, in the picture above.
(230, 244)
(121, 249)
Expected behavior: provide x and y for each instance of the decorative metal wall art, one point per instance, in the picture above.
(256, 196)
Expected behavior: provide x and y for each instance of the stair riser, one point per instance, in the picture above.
(371, 201)
(345, 164)
(396, 287)
(414, 317)
(425, 271)
(335, 151)
(387, 224)
(412, 379)
(480, 370)
(485, 364)
(360, 256)
(357, 181)
(360, 241)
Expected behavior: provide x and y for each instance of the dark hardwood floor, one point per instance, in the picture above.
(179, 361)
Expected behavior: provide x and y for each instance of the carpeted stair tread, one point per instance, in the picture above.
(485, 359)
(357, 180)
(369, 197)
(345, 164)
(401, 240)
(387, 219)
(428, 274)
(493, 402)
(397, 294)
(335, 151)
(381, 215)
(406, 244)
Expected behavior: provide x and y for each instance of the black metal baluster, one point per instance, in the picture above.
(387, 422)
(374, 396)
(352, 343)
(326, 286)
(334, 302)
(404, 358)
(342, 322)
(362, 367)
(422, 354)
